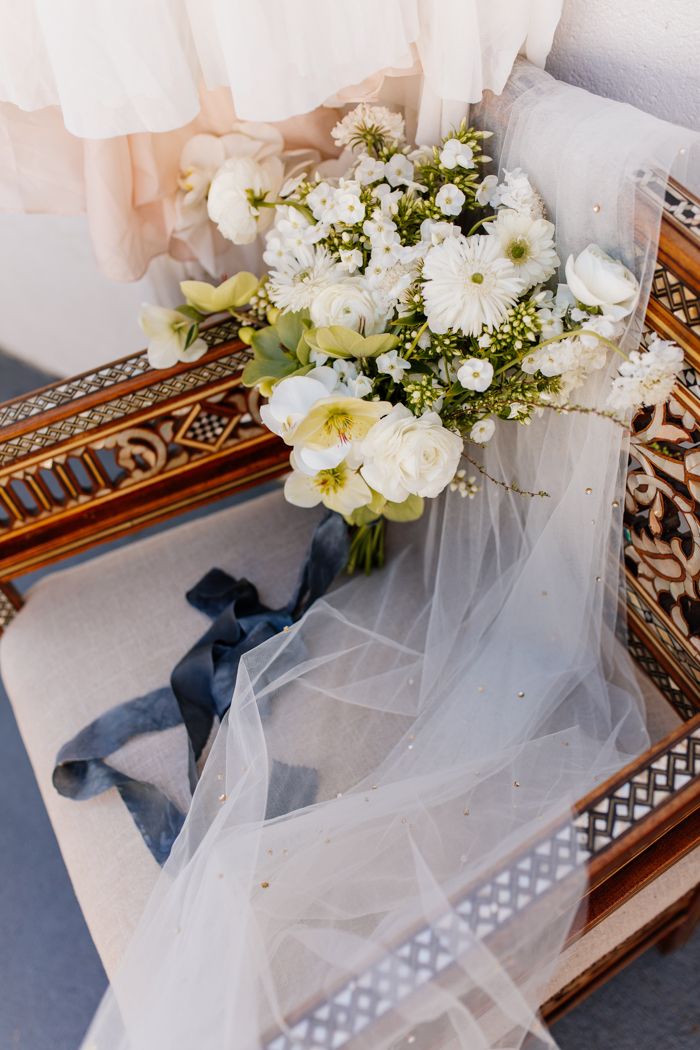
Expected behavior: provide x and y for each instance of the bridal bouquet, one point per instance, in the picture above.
(407, 312)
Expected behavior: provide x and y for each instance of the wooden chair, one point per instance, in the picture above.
(103, 455)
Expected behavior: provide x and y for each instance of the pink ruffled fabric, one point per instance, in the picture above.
(126, 185)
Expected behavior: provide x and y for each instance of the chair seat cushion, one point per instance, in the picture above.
(110, 630)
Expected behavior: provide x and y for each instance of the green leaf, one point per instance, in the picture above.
(267, 346)
(192, 333)
(262, 370)
(362, 516)
(290, 328)
(189, 311)
(410, 510)
(374, 345)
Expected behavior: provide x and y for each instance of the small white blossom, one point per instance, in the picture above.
(422, 155)
(320, 199)
(483, 430)
(392, 364)
(350, 260)
(432, 232)
(350, 209)
(486, 190)
(377, 226)
(455, 153)
(476, 374)
(450, 199)
(389, 199)
(648, 377)
(464, 485)
(517, 192)
(277, 254)
(399, 170)
(369, 170)
(362, 386)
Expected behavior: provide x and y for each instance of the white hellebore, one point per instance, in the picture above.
(456, 153)
(392, 364)
(167, 331)
(597, 280)
(349, 303)
(293, 398)
(405, 455)
(450, 200)
(237, 193)
(339, 488)
(476, 374)
(483, 430)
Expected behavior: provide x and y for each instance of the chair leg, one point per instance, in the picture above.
(685, 930)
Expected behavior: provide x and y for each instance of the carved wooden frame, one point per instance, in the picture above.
(107, 453)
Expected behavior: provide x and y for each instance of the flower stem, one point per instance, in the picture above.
(414, 344)
(306, 212)
(489, 218)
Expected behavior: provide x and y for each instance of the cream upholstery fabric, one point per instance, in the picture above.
(112, 629)
(623, 923)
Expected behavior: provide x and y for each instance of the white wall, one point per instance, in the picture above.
(57, 311)
(645, 52)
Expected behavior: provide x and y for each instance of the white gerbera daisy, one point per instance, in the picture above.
(528, 243)
(304, 275)
(468, 284)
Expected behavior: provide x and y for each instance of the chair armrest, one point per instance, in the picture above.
(89, 459)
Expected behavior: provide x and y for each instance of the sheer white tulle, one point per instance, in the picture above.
(453, 704)
(121, 68)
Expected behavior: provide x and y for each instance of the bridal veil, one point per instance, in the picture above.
(453, 705)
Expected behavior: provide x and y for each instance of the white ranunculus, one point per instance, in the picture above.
(483, 430)
(167, 331)
(597, 280)
(349, 303)
(450, 200)
(293, 398)
(476, 374)
(236, 193)
(405, 455)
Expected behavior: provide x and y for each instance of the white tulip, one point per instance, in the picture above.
(167, 331)
(405, 455)
(597, 280)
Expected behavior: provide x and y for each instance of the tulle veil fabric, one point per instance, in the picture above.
(453, 703)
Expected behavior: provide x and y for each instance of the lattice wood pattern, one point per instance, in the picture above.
(88, 459)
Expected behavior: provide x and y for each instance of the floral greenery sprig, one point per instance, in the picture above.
(409, 310)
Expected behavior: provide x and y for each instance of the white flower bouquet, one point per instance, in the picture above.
(408, 311)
